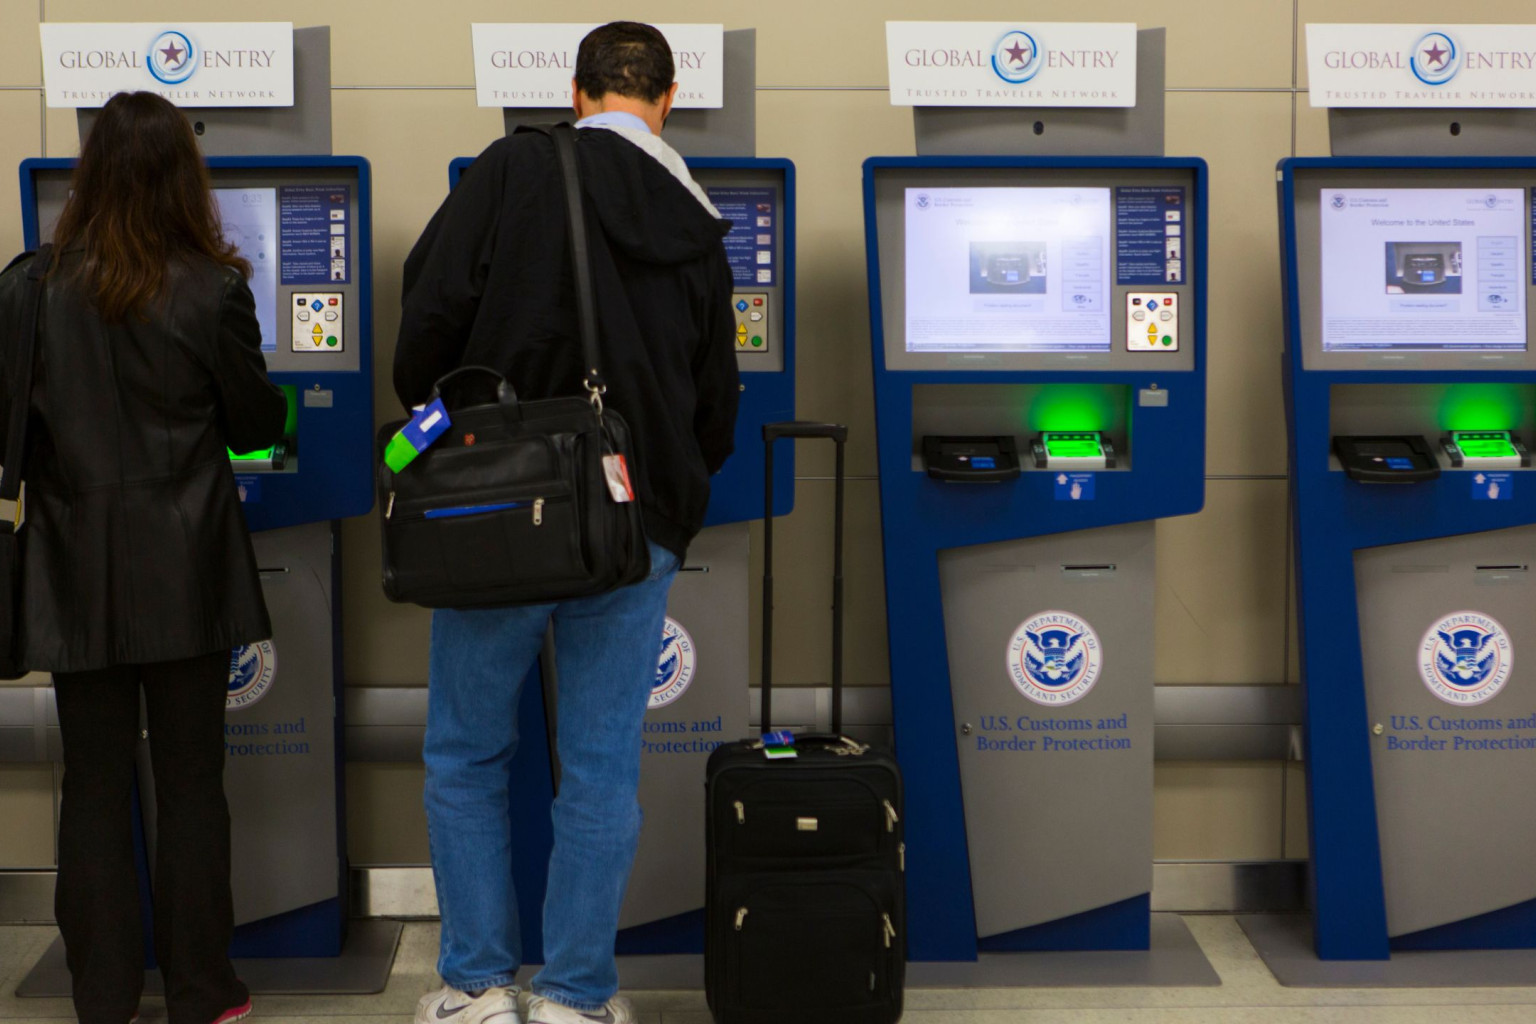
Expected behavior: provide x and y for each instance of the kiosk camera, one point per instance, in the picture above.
(700, 698)
(1038, 325)
(304, 221)
(1411, 396)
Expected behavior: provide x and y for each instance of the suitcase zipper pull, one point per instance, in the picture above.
(890, 929)
(741, 917)
(741, 813)
(890, 816)
(538, 511)
(390, 509)
(901, 856)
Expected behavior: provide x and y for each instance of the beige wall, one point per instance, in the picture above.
(403, 98)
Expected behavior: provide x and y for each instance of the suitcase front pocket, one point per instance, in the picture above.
(827, 945)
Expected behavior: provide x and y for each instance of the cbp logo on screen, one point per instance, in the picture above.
(1016, 57)
(675, 665)
(1465, 658)
(922, 201)
(1054, 658)
(1435, 58)
(1337, 202)
(251, 669)
(172, 57)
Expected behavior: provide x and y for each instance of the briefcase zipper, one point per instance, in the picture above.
(890, 930)
(741, 917)
(890, 816)
(538, 511)
(390, 509)
(536, 507)
(741, 813)
(901, 856)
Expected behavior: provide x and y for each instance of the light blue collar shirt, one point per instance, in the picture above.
(614, 119)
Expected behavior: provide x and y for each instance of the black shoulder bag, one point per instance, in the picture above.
(22, 363)
(512, 504)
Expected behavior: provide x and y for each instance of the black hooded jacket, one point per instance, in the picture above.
(489, 283)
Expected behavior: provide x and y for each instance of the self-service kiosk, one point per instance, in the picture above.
(304, 220)
(1038, 329)
(700, 698)
(1411, 396)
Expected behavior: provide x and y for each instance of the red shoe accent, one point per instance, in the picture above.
(233, 1014)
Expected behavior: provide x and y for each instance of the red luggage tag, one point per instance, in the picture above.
(616, 470)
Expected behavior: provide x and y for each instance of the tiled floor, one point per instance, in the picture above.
(1248, 995)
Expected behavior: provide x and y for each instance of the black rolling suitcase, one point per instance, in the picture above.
(806, 898)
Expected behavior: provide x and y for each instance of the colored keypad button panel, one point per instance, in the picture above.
(752, 321)
(319, 322)
(1152, 322)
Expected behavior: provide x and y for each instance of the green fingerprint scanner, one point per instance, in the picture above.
(1073, 449)
(1485, 449)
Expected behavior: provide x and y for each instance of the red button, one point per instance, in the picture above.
(335, 302)
(757, 302)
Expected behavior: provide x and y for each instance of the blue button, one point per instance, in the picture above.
(317, 305)
(741, 305)
(1152, 304)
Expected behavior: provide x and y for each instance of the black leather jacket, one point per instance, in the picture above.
(134, 546)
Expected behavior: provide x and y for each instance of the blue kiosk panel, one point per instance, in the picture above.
(305, 225)
(1050, 309)
(1410, 396)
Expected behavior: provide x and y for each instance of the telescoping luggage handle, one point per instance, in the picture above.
(838, 435)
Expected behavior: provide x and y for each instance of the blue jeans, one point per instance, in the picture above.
(606, 649)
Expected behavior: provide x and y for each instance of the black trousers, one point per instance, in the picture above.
(97, 899)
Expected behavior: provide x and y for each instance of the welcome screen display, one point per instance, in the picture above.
(1407, 268)
(250, 223)
(1001, 269)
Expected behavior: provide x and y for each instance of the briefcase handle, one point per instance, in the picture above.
(450, 387)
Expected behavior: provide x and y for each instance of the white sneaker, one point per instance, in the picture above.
(615, 1011)
(450, 1006)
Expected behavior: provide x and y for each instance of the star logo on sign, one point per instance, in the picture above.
(173, 54)
(1016, 53)
(1437, 54)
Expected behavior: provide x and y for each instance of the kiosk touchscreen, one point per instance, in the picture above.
(304, 224)
(1411, 390)
(1039, 384)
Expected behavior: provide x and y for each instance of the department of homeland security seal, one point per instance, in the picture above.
(1465, 658)
(675, 666)
(251, 669)
(1054, 658)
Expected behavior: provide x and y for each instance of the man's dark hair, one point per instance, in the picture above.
(627, 58)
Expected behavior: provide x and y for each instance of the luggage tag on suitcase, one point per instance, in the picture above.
(417, 436)
(779, 744)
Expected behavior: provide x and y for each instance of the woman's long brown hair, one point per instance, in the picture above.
(139, 200)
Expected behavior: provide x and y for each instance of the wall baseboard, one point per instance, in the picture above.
(406, 891)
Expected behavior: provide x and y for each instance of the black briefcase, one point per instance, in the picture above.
(805, 916)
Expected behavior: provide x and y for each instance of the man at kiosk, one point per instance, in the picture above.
(479, 289)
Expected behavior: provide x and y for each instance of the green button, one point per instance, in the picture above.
(331, 341)
(757, 341)
(1167, 340)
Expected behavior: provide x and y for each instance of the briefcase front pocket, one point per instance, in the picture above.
(463, 548)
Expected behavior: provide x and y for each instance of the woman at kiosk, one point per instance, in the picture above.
(138, 572)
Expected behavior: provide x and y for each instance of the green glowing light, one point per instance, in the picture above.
(1484, 444)
(263, 453)
(1074, 407)
(1482, 406)
(1082, 445)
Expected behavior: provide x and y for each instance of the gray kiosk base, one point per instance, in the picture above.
(362, 969)
(1175, 960)
(1284, 943)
